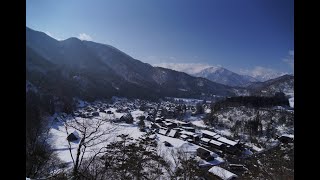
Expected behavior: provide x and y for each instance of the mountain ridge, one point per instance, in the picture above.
(225, 76)
(97, 70)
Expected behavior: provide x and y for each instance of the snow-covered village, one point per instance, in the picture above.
(160, 90)
(182, 132)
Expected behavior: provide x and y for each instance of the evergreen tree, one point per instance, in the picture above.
(128, 159)
(141, 125)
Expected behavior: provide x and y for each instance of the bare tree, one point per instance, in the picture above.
(92, 133)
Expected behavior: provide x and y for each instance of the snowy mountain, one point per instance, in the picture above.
(76, 68)
(224, 76)
(283, 83)
(262, 74)
(267, 76)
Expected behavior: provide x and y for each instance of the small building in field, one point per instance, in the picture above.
(73, 136)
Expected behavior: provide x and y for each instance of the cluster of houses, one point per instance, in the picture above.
(163, 120)
(213, 140)
(184, 130)
(206, 139)
(91, 110)
(175, 129)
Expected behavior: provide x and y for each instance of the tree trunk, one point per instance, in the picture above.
(76, 166)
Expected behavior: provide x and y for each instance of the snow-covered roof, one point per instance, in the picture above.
(222, 173)
(216, 136)
(210, 133)
(215, 142)
(205, 139)
(187, 133)
(181, 122)
(227, 141)
(172, 133)
(76, 134)
(184, 136)
(167, 124)
(187, 127)
(288, 135)
(162, 131)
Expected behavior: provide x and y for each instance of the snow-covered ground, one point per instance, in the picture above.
(135, 114)
(58, 134)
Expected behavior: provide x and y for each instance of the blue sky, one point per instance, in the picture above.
(241, 35)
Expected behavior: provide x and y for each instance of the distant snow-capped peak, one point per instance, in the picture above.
(189, 68)
(262, 73)
(212, 69)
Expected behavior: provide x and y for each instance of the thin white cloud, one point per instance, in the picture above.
(290, 59)
(190, 68)
(262, 73)
(84, 36)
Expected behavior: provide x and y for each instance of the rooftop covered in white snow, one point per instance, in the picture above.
(222, 173)
(210, 133)
(227, 141)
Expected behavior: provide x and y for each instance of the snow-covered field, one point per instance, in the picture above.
(60, 144)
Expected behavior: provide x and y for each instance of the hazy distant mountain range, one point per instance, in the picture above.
(222, 75)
